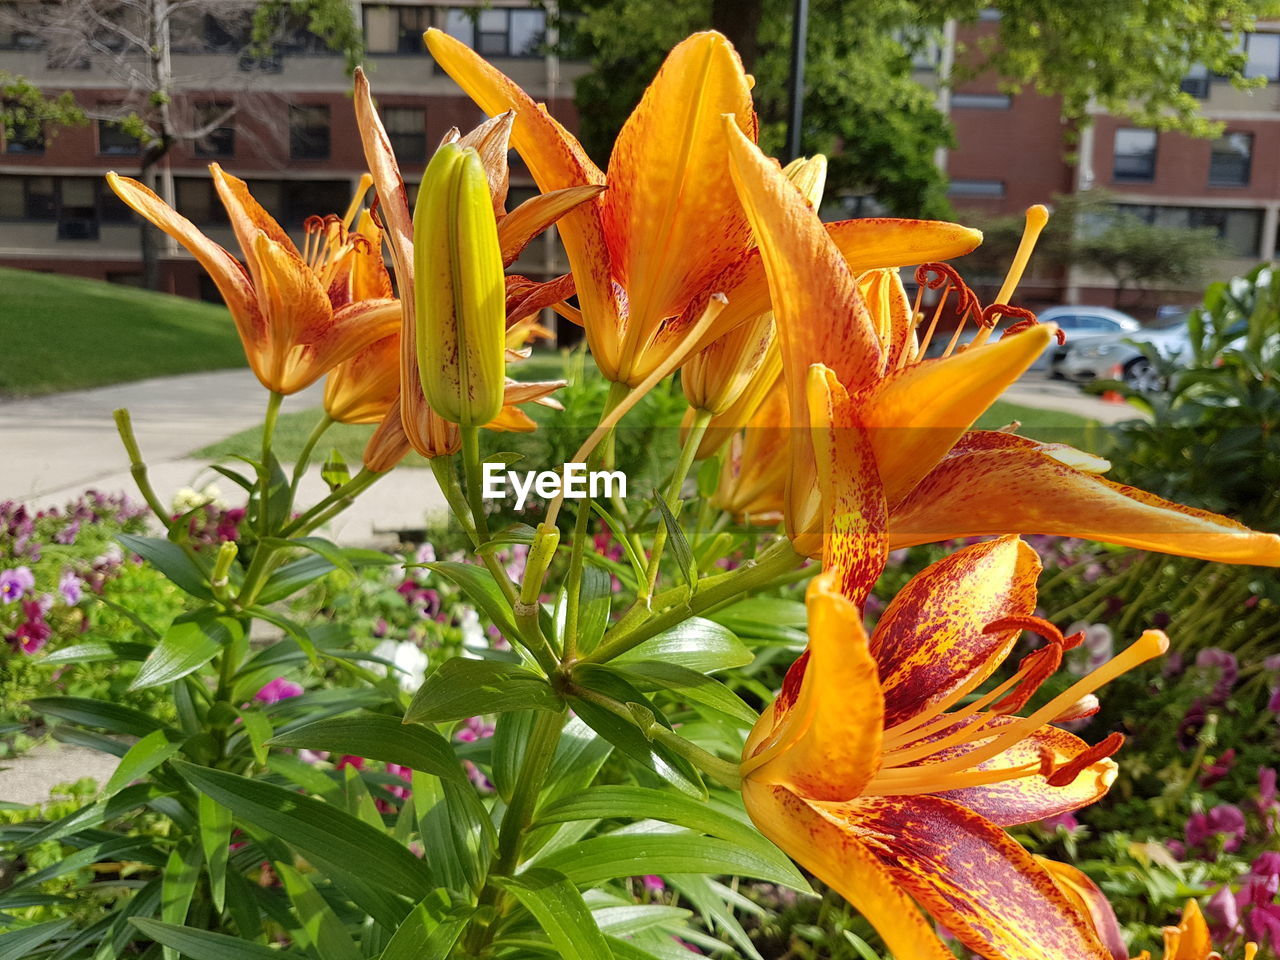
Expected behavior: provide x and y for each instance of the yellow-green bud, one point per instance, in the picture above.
(459, 290)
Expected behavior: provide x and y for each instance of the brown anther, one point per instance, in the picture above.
(1037, 625)
(995, 311)
(360, 243)
(1064, 775)
(934, 275)
(313, 223)
(1035, 668)
(1059, 334)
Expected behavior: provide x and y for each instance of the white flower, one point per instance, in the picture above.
(409, 660)
(472, 633)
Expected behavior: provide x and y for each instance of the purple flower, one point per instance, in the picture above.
(1229, 671)
(1224, 823)
(653, 883)
(1215, 770)
(70, 587)
(31, 636)
(277, 690)
(67, 535)
(1223, 913)
(1067, 821)
(15, 583)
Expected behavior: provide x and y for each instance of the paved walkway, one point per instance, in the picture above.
(1037, 390)
(54, 448)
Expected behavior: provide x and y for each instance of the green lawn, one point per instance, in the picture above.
(65, 333)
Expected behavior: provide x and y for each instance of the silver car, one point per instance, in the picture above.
(1116, 357)
(1081, 325)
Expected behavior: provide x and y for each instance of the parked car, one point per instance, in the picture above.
(1119, 357)
(1081, 324)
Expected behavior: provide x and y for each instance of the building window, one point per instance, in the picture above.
(12, 36)
(1196, 82)
(290, 202)
(308, 132)
(77, 205)
(976, 188)
(1230, 160)
(1135, 156)
(498, 33)
(115, 141)
(1239, 228)
(220, 141)
(982, 101)
(26, 138)
(13, 198)
(407, 129)
(1262, 51)
(197, 200)
(395, 29)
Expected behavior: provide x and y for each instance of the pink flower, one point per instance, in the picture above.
(1215, 770)
(71, 588)
(16, 583)
(1067, 821)
(277, 690)
(1224, 824)
(653, 883)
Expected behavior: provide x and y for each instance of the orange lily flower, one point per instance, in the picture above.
(430, 435)
(876, 773)
(1189, 940)
(648, 255)
(299, 314)
(901, 424)
(753, 472)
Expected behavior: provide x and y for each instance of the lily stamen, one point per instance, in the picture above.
(353, 208)
(1037, 217)
(1064, 774)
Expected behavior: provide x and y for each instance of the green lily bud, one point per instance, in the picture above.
(459, 290)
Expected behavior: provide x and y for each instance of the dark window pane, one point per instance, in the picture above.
(114, 141)
(12, 198)
(309, 132)
(1135, 155)
(308, 198)
(1196, 82)
(413, 23)
(1230, 160)
(78, 208)
(42, 199)
(219, 141)
(407, 130)
(27, 137)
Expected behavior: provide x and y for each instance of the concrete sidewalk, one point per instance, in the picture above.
(54, 448)
(1037, 390)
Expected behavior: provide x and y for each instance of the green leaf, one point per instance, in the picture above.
(679, 545)
(694, 687)
(315, 827)
(430, 931)
(696, 644)
(623, 920)
(115, 848)
(510, 739)
(626, 736)
(20, 944)
(321, 931)
(143, 757)
(292, 577)
(624, 802)
(97, 651)
(257, 725)
(191, 641)
(619, 532)
(517, 533)
(624, 855)
(478, 584)
(767, 618)
(169, 558)
(180, 876)
(594, 600)
(461, 688)
(334, 471)
(379, 737)
(317, 545)
(204, 945)
(215, 839)
(708, 477)
(97, 713)
(99, 812)
(560, 911)
(457, 829)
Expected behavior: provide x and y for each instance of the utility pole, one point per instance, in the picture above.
(795, 85)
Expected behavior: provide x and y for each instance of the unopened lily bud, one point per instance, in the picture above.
(810, 175)
(459, 290)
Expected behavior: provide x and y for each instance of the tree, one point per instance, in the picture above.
(25, 112)
(131, 41)
(862, 102)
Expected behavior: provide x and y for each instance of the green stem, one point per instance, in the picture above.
(447, 478)
(702, 419)
(304, 458)
(274, 400)
(339, 499)
(538, 754)
(137, 467)
(573, 584)
(722, 771)
(471, 471)
(779, 560)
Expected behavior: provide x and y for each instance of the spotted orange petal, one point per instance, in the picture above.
(822, 734)
(1029, 491)
(821, 315)
(1091, 902)
(973, 878)
(932, 639)
(363, 388)
(670, 219)
(526, 221)
(842, 859)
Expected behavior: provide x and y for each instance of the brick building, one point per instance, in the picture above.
(292, 135)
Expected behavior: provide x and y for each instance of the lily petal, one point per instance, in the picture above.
(916, 415)
(821, 316)
(527, 297)
(1091, 902)
(363, 388)
(299, 314)
(1028, 491)
(827, 720)
(1026, 799)
(932, 638)
(976, 880)
(526, 221)
(247, 216)
(393, 200)
(1189, 940)
(492, 140)
(226, 271)
(890, 311)
(671, 224)
(839, 858)
(976, 441)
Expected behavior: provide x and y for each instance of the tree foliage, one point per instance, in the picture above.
(26, 112)
(864, 105)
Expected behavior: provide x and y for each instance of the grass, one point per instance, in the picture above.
(65, 333)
